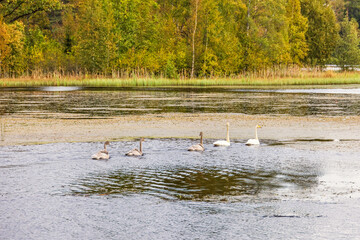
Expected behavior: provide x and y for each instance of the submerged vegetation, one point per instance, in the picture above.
(142, 41)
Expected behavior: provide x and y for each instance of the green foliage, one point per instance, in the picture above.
(266, 38)
(347, 53)
(96, 37)
(298, 26)
(353, 9)
(170, 70)
(322, 34)
(132, 38)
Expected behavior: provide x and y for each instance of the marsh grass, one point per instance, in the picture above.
(303, 78)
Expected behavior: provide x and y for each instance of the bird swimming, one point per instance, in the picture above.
(135, 151)
(224, 143)
(256, 140)
(198, 147)
(102, 154)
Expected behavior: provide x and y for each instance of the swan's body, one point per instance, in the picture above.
(198, 147)
(102, 154)
(135, 151)
(256, 140)
(221, 143)
(253, 142)
(224, 143)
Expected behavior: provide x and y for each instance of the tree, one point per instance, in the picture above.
(4, 43)
(220, 47)
(196, 7)
(339, 8)
(13, 10)
(298, 26)
(353, 9)
(347, 53)
(266, 40)
(322, 32)
(96, 37)
(138, 24)
(12, 60)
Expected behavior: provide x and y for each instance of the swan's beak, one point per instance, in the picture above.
(258, 126)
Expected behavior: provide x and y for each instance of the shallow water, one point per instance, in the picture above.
(72, 102)
(272, 191)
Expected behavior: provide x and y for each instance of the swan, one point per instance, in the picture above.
(135, 151)
(223, 142)
(198, 147)
(102, 154)
(256, 140)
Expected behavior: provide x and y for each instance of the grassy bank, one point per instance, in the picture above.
(319, 79)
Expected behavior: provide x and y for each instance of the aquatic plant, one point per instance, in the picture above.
(246, 79)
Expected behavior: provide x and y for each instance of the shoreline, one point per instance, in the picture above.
(26, 131)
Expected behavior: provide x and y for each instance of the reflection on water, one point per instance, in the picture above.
(87, 103)
(207, 184)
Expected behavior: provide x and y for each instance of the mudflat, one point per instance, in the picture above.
(22, 130)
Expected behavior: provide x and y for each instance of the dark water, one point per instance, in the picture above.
(71, 102)
(56, 191)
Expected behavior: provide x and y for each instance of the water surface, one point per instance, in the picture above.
(274, 191)
(72, 102)
(55, 191)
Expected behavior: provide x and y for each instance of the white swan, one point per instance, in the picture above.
(198, 147)
(135, 151)
(226, 142)
(256, 140)
(102, 154)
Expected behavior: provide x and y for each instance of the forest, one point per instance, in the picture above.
(172, 38)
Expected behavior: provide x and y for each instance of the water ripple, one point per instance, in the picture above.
(190, 184)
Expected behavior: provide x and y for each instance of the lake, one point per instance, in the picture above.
(272, 191)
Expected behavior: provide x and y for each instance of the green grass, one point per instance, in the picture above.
(323, 79)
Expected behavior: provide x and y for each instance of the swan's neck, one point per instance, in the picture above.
(256, 136)
(227, 134)
(201, 139)
(141, 146)
(104, 146)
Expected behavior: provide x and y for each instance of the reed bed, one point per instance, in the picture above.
(325, 78)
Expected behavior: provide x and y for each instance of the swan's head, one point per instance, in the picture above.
(228, 124)
(201, 133)
(258, 126)
(142, 139)
(107, 143)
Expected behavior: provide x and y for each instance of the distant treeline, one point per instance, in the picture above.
(172, 38)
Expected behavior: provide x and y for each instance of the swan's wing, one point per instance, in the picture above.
(100, 155)
(134, 152)
(197, 147)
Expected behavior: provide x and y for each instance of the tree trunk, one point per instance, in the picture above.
(248, 16)
(193, 40)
